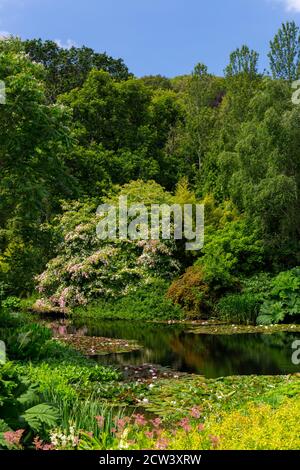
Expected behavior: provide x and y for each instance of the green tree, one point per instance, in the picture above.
(34, 140)
(243, 61)
(285, 52)
(67, 69)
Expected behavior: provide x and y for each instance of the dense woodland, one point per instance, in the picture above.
(77, 130)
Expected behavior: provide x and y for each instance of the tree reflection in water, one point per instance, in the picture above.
(211, 355)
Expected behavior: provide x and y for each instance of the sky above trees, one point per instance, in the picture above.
(154, 36)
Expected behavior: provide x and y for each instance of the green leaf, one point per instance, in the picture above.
(40, 415)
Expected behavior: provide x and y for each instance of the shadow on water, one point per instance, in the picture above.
(210, 355)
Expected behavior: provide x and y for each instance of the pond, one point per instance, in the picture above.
(179, 348)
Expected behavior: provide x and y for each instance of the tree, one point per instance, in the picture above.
(243, 61)
(131, 121)
(67, 69)
(34, 140)
(284, 52)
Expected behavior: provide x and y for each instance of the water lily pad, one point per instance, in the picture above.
(97, 346)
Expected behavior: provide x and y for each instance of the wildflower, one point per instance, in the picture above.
(38, 443)
(215, 441)
(201, 427)
(149, 434)
(13, 438)
(162, 444)
(121, 423)
(185, 424)
(195, 413)
(156, 422)
(139, 420)
(100, 421)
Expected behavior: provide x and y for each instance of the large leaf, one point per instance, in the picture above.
(41, 415)
(3, 428)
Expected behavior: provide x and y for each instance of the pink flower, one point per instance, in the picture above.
(13, 438)
(185, 424)
(48, 447)
(100, 420)
(139, 420)
(201, 427)
(149, 434)
(121, 423)
(195, 413)
(38, 443)
(215, 441)
(162, 444)
(156, 422)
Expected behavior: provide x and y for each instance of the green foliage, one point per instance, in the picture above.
(67, 378)
(145, 303)
(11, 303)
(233, 250)
(26, 342)
(17, 397)
(238, 308)
(88, 268)
(283, 300)
(243, 61)
(67, 69)
(284, 52)
(40, 416)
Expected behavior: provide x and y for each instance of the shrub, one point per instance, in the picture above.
(230, 252)
(11, 303)
(26, 342)
(239, 308)
(21, 413)
(190, 292)
(88, 268)
(146, 303)
(283, 300)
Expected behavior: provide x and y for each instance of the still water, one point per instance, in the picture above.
(175, 346)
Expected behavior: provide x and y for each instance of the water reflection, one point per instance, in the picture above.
(210, 355)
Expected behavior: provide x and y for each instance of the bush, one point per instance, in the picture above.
(230, 252)
(26, 342)
(146, 303)
(190, 292)
(11, 303)
(239, 308)
(283, 300)
(22, 415)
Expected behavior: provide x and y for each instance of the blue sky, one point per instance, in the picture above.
(165, 37)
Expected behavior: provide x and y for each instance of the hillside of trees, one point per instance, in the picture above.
(78, 129)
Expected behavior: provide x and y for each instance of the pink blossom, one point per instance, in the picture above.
(201, 427)
(195, 413)
(139, 420)
(13, 438)
(100, 420)
(215, 441)
(121, 423)
(162, 444)
(149, 434)
(156, 422)
(185, 424)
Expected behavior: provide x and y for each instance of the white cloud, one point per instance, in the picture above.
(291, 5)
(66, 45)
